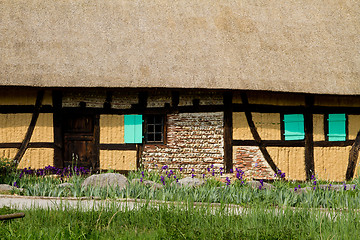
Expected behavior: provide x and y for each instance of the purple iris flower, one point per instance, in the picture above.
(262, 182)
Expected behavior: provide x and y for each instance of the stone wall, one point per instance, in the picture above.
(194, 140)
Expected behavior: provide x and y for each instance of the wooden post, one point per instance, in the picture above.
(58, 132)
(31, 127)
(353, 156)
(309, 141)
(228, 161)
(12, 216)
(255, 133)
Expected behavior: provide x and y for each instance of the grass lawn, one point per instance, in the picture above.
(182, 223)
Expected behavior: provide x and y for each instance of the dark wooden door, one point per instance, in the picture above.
(80, 146)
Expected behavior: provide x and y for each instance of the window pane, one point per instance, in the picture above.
(158, 137)
(151, 137)
(151, 128)
(158, 128)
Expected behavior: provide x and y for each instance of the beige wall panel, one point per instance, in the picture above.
(236, 98)
(241, 130)
(354, 125)
(8, 152)
(43, 131)
(13, 127)
(14, 96)
(118, 160)
(318, 121)
(270, 98)
(290, 160)
(47, 100)
(111, 129)
(37, 158)
(337, 101)
(331, 162)
(268, 125)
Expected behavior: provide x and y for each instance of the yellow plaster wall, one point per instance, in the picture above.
(236, 98)
(15, 96)
(331, 162)
(268, 125)
(43, 131)
(318, 121)
(111, 129)
(8, 152)
(354, 126)
(13, 127)
(290, 160)
(271, 98)
(37, 158)
(241, 130)
(118, 160)
(337, 101)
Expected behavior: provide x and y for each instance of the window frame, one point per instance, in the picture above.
(163, 128)
(326, 127)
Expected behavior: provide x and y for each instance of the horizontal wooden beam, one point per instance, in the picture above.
(24, 109)
(281, 143)
(269, 143)
(31, 145)
(112, 146)
(264, 108)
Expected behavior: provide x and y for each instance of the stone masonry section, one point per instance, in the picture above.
(252, 162)
(194, 141)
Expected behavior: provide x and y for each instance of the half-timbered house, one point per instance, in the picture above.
(124, 84)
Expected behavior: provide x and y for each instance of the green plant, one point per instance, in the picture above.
(7, 170)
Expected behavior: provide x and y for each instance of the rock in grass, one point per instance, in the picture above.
(257, 184)
(5, 188)
(337, 187)
(190, 182)
(65, 185)
(113, 180)
(148, 183)
(303, 190)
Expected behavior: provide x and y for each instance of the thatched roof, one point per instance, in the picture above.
(291, 46)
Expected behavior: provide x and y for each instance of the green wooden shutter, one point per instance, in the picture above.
(133, 128)
(337, 127)
(294, 127)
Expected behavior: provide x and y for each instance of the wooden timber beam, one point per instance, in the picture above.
(309, 141)
(30, 130)
(228, 161)
(255, 133)
(353, 157)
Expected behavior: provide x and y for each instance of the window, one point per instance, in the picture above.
(294, 127)
(155, 128)
(133, 128)
(336, 126)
